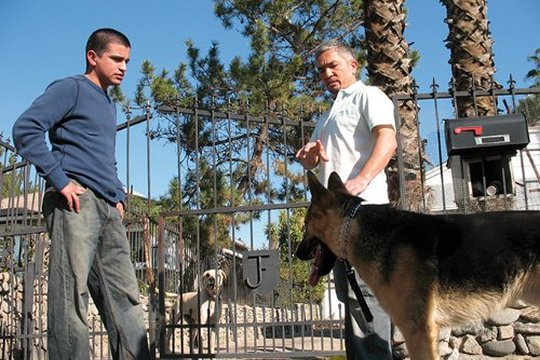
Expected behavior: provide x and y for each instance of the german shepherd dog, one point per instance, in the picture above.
(427, 271)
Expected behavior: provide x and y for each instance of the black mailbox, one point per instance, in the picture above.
(472, 136)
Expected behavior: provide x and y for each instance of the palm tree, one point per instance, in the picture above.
(389, 66)
(534, 74)
(530, 105)
(471, 54)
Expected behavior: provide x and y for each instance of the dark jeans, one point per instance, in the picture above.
(90, 255)
(363, 340)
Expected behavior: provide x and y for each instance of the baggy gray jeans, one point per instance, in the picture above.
(90, 255)
(363, 340)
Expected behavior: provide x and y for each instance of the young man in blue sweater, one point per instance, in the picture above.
(83, 205)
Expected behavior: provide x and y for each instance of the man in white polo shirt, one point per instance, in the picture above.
(356, 138)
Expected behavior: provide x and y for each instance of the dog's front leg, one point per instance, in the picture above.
(204, 317)
(195, 341)
(214, 320)
(421, 340)
(175, 318)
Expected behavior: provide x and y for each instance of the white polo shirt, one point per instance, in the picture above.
(345, 132)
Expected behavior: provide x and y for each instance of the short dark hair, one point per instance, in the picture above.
(101, 38)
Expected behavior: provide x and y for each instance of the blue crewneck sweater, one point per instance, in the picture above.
(81, 122)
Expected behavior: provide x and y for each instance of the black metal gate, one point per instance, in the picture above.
(239, 222)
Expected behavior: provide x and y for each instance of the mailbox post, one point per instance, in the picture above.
(480, 152)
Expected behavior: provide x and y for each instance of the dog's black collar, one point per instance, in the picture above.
(351, 277)
(346, 228)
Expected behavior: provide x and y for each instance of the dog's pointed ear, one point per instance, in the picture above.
(315, 187)
(335, 183)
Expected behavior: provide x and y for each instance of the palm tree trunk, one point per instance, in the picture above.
(389, 66)
(471, 54)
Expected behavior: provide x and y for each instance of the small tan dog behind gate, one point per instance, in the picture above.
(201, 308)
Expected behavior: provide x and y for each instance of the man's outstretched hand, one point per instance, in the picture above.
(311, 154)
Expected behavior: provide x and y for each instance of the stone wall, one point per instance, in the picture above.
(244, 328)
(513, 333)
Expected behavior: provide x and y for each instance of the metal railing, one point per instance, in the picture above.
(236, 191)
